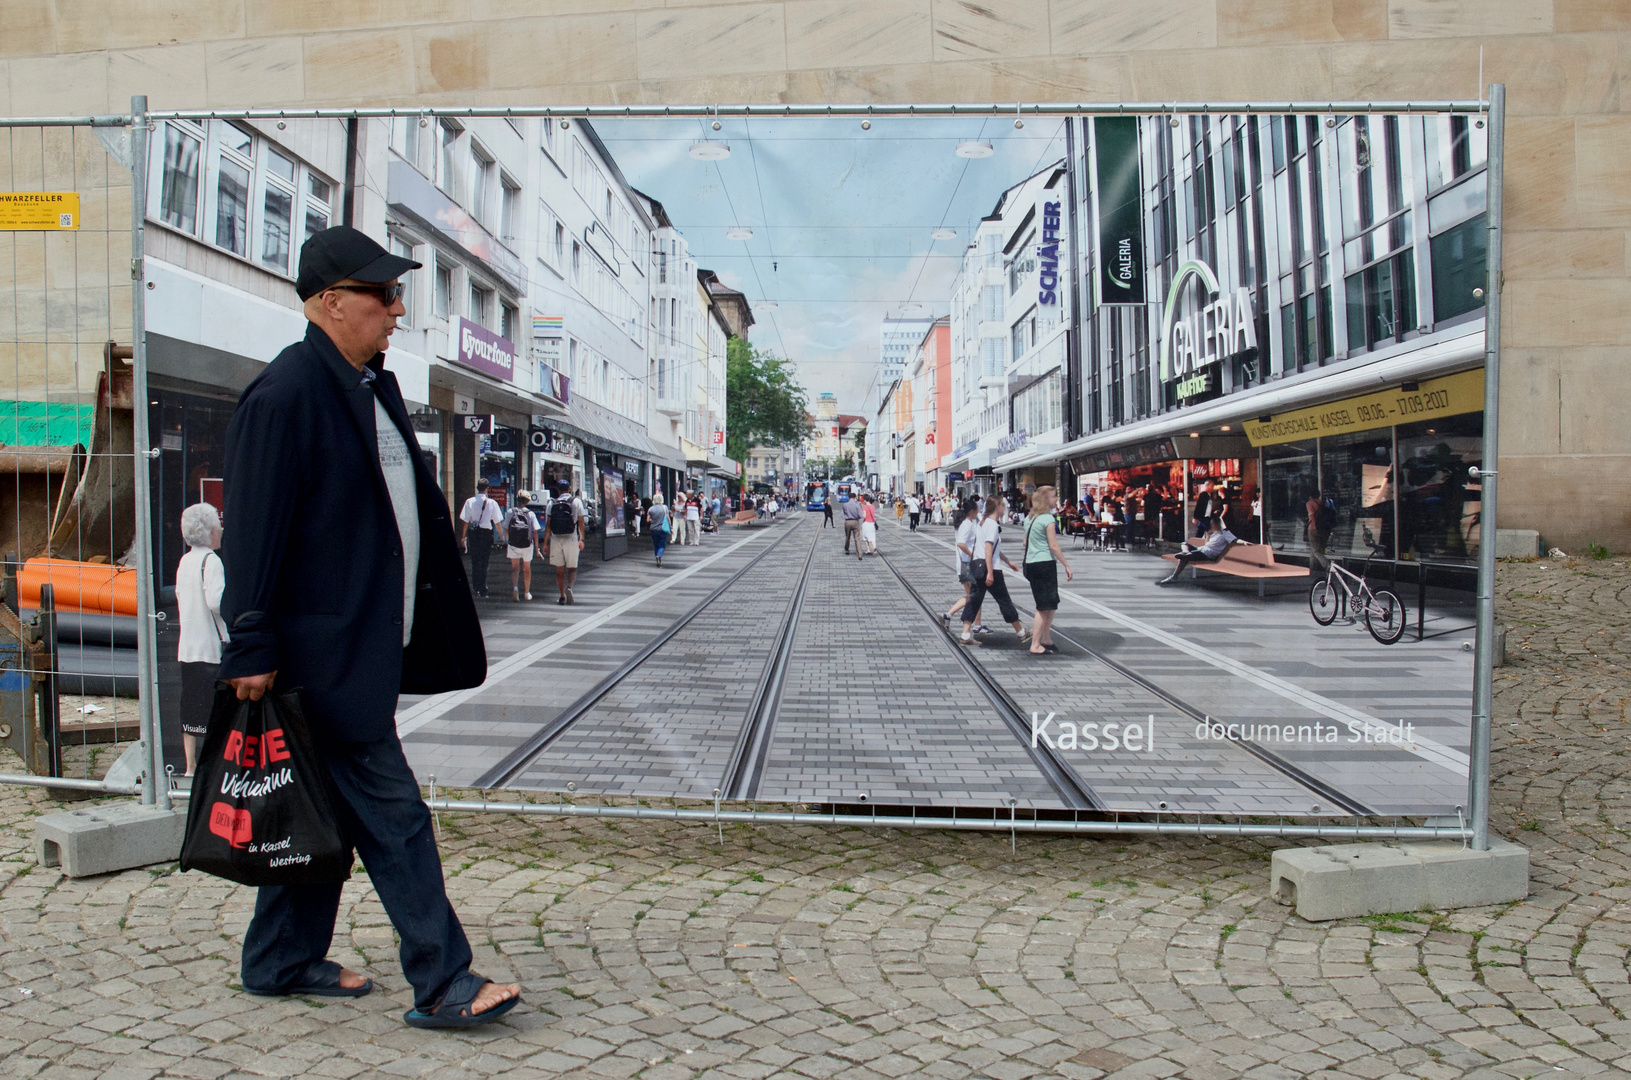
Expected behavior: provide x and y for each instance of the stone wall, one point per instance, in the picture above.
(1568, 295)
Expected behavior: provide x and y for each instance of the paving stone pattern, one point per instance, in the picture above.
(1427, 684)
(463, 743)
(669, 728)
(876, 708)
(654, 950)
(1187, 775)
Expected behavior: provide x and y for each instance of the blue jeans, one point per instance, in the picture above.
(381, 812)
(659, 541)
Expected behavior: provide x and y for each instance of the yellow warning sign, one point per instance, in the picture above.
(50, 211)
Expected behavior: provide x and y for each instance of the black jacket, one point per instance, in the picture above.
(313, 558)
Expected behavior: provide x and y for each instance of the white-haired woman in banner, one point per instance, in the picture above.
(200, 580)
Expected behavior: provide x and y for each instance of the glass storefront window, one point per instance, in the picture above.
(1357, 471)
(1438, 501)
(1458, 269)
(1290, 479)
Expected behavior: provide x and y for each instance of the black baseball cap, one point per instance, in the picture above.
(342, 253)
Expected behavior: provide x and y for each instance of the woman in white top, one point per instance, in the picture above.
(200, 580)
(968, 539)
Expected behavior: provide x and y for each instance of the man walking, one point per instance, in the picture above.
(826, 511)
(343, 578)
(852, 524)
(914, 509)
(565, 540)
(479, 517)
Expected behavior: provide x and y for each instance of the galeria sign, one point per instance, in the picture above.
(1223, 328)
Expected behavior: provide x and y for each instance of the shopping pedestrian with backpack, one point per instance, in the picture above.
(520, 544)
(565, 540)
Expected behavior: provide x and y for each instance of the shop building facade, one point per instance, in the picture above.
(1008, 335)
(1293, 315)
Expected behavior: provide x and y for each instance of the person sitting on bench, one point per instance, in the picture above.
(1217, 542)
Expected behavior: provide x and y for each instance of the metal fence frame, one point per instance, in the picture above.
(1472, 826)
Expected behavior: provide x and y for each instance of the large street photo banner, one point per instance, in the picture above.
(1232, 363)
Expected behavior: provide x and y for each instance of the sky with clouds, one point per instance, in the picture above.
(841, 219)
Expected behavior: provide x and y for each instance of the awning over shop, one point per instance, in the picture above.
(1022, 458)
(1294, 392)
(603, 429)
(512, 405)
(696, 456)
(725, 468)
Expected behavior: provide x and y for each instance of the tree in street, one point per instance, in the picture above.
(841, 466)
(764, 403)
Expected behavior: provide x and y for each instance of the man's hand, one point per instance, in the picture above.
(989, 578)
(252, 687)
(580, 545)
(1068, 575)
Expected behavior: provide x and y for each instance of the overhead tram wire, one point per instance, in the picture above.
(944, 214)
(726, 191)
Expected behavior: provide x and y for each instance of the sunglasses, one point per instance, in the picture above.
(387, 294)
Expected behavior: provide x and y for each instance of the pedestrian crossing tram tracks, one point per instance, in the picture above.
(1331, 796)
(753, 740)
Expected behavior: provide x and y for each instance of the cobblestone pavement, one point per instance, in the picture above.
(658, 951)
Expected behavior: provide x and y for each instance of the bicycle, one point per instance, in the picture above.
(1383, 611)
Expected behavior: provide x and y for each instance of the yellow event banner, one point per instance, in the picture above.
(39, 211)
(1433, 398)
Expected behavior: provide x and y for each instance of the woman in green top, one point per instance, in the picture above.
(1042, 560)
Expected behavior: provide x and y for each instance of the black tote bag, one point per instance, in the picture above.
(262, 805)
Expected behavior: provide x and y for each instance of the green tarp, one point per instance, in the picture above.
(46, 423)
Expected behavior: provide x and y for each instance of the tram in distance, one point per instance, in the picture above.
(815, 492)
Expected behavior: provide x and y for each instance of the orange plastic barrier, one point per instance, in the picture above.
(79, 586)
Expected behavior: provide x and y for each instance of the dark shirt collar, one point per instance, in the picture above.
(338, 365)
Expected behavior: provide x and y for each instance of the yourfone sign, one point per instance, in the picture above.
(479, 348)
(1194, 347)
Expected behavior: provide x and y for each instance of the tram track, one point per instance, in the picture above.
(1314, 785)
(747, 762)
(1073, 791)
(517, 760)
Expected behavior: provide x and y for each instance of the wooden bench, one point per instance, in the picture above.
(1246, 560)
(743, 517)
